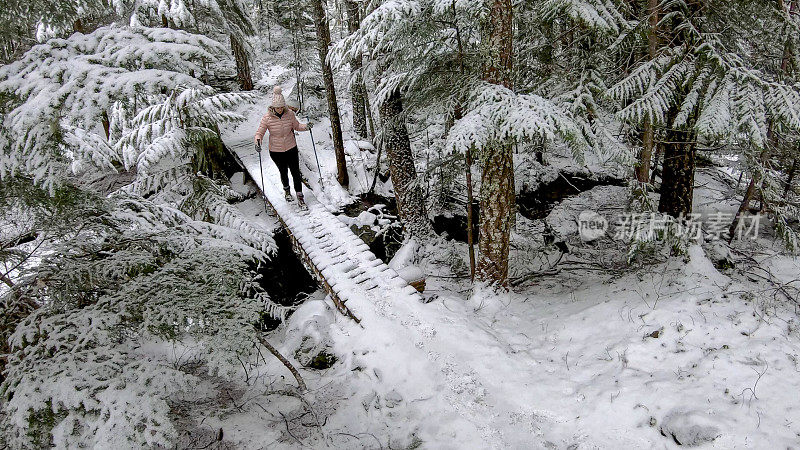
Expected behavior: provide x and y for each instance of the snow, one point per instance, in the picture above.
(366, 218)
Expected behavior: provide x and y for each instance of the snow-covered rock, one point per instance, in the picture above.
(366, 218)
(411, 273)
(238, 184)
(405, 255)
(689, 427)
(306, 333)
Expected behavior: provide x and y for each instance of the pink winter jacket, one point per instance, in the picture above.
(281, 129)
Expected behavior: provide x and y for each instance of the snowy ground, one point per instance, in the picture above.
(677, 354)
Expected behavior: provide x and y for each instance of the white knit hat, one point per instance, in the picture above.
(277, 98)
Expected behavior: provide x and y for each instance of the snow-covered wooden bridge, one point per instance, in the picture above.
(339, 259)
(415, 356)
(394, 339)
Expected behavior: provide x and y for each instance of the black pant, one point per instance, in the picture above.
(286, 161)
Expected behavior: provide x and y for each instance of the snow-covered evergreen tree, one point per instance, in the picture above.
(136, 273)
(122, 103)
(709, 84)
(431, 52)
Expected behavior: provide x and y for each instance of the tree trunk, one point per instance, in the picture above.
(242, 64)
(357, 86)
(787, 47)
(377, 168)
(297, 69)
(410, 202)
(679, 165)
(457, 115)
(78, 27)
(323, 42)
(497, 210)
(789, 181)
(656, 158)
(106, 124)
(368, 110)
(470, 219)
(648, 134)
(497, 179)
(642, 170)
(743, 207)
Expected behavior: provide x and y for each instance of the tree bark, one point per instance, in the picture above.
(297, 69)
(106, 124)
(648, 134)
(377, 168)
(497, 179)
(368, 111)
(242, 64)
(323, 42)
(679, 166)
(457, 115)
(77, 26)
(790, 179)
(656, 157)
(470, 220)
(410, 202)
(743, 207)
(496, 217)
(357, 90)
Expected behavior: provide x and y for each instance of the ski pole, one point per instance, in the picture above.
(314, 146)
(261, 166)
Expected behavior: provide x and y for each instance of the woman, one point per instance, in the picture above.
(281, 123)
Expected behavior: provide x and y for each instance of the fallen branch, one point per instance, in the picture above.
(301, 384)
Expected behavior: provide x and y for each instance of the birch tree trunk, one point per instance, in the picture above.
(497, 180)
(323, 42)
(357, 89)
(242, 64)
(410, 202)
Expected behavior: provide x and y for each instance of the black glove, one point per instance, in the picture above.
(258, 146)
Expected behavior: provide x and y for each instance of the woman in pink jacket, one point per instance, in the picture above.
(281, 123)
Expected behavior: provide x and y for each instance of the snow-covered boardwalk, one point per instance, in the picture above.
(339, 259)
